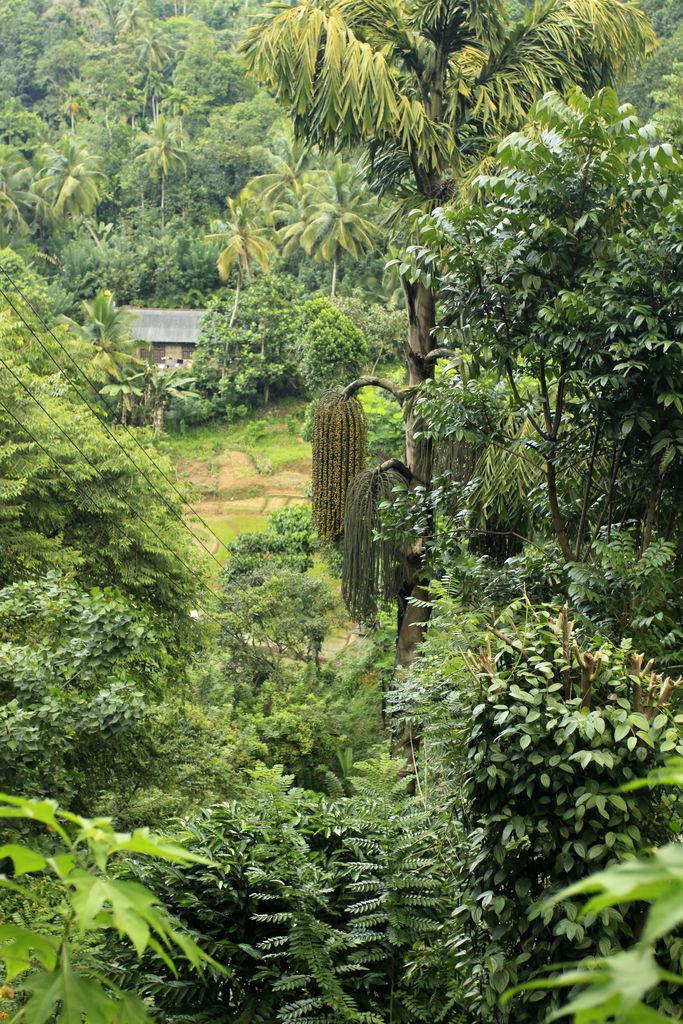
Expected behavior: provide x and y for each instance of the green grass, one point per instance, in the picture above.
(230, 526)
(272, 437)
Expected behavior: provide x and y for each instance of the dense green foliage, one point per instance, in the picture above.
(80, 659)
(88, 900)
(569, 338)
(318, 908)
(388, 819)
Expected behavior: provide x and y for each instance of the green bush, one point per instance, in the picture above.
(317, 909)
(619, 987)
(333, 349)
(75, 671)
(528, 741)
(48, 963)
(289, 541)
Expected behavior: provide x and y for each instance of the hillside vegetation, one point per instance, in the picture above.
(341, 663)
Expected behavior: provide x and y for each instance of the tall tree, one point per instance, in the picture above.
(283, 186)
(163, 150)
(70, 179)
(108, 327)
(425, 86)
(17, 198)
(337, 214)
(246, 239)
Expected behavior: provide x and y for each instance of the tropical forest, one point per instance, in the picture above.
(341, 511)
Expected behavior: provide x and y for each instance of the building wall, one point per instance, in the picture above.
(164, 354)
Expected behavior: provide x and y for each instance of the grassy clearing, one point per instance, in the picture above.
(271, 437)
(238, 473)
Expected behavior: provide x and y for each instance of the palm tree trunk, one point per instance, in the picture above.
(237, 299)
(412, 619)
(163, 197)
(92, 234)
(158, 418)
(335, 262)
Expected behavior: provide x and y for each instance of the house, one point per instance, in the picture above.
(171, 334)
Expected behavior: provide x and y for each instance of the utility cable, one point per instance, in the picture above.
(97, 470)
(112, 411)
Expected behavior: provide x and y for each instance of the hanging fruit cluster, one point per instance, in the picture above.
(340, 435)
(374, 562)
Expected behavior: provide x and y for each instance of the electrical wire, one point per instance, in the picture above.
(107, 484)
(111, 410)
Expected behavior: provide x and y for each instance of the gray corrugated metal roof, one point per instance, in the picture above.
(170, 326)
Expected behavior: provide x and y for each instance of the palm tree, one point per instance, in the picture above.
(152, 56)
(131, 18)
(338, 214)
(426, 86)
(17, 198)
(151, 51)
(283, 186)
(163, 150)
(162, 388)
(70, 179)
(107, 326)
(124, 392)
(246, 239)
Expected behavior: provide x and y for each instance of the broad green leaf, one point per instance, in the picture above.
(665, 914)
(145, 842)
(24, 859)
(620, 983)
(35, 810)
(20, 947)
(132, 908)
(67, 998)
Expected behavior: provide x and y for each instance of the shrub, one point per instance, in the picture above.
(318, 909)
(333, 349)
(532, 737)
(51, 977)
(75, 671)
(620, 986)
(289, 541)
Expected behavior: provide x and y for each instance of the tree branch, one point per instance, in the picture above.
(439, 353)
(375, 382)
(398, 466)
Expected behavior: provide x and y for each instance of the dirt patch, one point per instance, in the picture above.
(232, 486)
(195, 470)
(235, 468)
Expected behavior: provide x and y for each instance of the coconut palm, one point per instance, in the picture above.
(338, 214)
(151, 52)
(426, 86)
(152, 56)
(17, 198)
(108, 327)
(131, 18)
(70, 179)
(283, 186)
(162, 388)
(163, 150)
(246, 239)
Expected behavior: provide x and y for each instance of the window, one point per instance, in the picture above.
(158, 352)
(187, 353)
